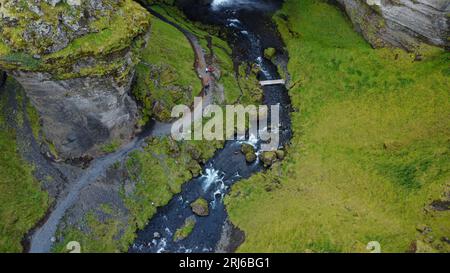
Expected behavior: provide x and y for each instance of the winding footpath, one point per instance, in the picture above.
(41, 240)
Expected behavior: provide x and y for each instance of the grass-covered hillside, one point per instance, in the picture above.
(239, 86)
(371, 154)
(166, 74)
(23, 203)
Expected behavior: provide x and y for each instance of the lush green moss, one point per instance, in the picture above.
(110, 147)
(184, 231)
(370, 150)
(23, 203)
(270, 52)
(251, 91)
(113, 35)
(166, 75)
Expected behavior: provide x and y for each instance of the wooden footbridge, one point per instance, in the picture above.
(272, 82)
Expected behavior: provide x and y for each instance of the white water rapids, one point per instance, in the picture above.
(219, 4)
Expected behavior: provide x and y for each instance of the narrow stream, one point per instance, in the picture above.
(250, 31)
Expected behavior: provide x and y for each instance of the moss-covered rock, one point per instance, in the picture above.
(270, 52)
(200, 207)
(251, 91)
(53, 37)
(249, 152)
(280, 154)
(250, 157)
(186, 230)
(268, 158)
(247, 148)
(194, 167)
(404, 24)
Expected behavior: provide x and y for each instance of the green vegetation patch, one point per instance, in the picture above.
(23, 203)
(161, 170)
(111, 31)
(166, 76)
(98, 236)
(114, 34)
(371, 147)
(239, 84)
(110, 147)
(184, 231)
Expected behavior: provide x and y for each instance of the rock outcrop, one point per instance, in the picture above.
(200, 207)
(401, 23)
(76, 61)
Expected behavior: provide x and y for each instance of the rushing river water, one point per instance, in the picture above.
(249, 31)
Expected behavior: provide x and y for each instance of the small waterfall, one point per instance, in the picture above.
(219, 4)
(211, 177)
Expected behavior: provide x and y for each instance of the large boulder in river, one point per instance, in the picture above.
(270, 52)
(268, 158)
(200, 207)
(76, 61)
(186, 230)
(249, 151)
(401, 23)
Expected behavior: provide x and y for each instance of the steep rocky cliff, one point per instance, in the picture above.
(76, 62)
(401, 23)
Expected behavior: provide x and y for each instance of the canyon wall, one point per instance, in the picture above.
(76, 61)
(401, 23)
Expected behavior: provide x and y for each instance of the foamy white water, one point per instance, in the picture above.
(252, 140)
(211, 176)
(219, 4)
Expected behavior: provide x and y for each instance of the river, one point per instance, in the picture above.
(249, 31)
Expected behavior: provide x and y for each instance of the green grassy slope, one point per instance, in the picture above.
(23, 203)
(371, 148)
(238, 86)
(166, 73)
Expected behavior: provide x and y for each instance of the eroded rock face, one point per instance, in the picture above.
(401, 23)
(76, 61)
(81, 115)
